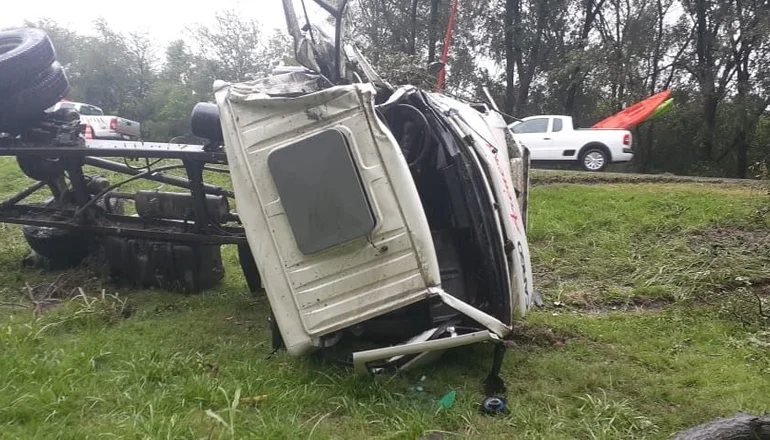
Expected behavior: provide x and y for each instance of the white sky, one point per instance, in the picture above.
(164, 20)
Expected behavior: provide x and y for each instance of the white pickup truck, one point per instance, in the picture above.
(554, 138)
(99, 126)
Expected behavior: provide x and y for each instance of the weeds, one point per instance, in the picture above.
(231, 410)
(85, 312)
(604, 418)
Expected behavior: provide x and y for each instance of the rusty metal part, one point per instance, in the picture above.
(96, 184)
(180, 206)
(122, 226)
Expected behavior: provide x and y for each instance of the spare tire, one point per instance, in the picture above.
(24, 54)
(205, 123)
(25, 106)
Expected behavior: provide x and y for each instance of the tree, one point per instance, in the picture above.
(750, 55)
(235, 47)
(711, 62)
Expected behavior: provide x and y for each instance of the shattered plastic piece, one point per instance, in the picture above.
(448, 400)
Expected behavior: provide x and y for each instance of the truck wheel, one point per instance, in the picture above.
(61, 247)
(65, 248)
(25, 106)
(24, 54)
(594, 159)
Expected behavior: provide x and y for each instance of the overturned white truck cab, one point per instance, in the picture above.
(375, 213)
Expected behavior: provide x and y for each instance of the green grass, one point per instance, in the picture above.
(659, 241)
(118, 363)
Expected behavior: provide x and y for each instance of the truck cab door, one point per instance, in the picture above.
(534, 134)
(560, 145)
(331, 212)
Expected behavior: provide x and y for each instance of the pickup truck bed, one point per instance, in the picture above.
(554, 138)
(100, 126)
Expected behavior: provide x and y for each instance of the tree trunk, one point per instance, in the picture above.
(645, 148)
(710, 103)
(576, 79)
(744, 121)
(522, 95)
(433, 31)
(510, 59)
(413, 34)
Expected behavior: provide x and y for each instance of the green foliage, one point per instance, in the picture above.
(124, 75)
(592, 59)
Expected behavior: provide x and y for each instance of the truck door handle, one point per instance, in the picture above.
(546, 139)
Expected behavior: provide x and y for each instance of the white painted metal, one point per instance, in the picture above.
(361, 358)
(553, 145)
(315, 295)
(488, 132)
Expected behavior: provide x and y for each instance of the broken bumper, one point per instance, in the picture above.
(429, 349)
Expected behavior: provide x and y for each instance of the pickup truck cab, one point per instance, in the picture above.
(554, 138)
(100, 126)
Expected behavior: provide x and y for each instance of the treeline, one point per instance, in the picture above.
(591, 58)
(129, 75)
(584, 58)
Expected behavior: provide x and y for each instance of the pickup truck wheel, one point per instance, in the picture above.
(25, 106)
(594, 159)
(24, 54)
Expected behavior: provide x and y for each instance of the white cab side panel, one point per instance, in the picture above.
(490, 145)
(314, 295)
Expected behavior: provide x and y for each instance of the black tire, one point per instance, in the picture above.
(205, 123)
(594, 159)
(65, 248)
(24, 54)
(26, 106)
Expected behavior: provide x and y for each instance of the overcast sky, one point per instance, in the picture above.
(164, 20)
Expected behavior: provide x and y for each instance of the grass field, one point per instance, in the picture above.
(650, 326)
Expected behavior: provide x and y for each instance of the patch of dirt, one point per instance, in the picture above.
(719, 240)
(546, 177)
(539, 335)
(602, 301)
(601, 297)
(67, 285)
